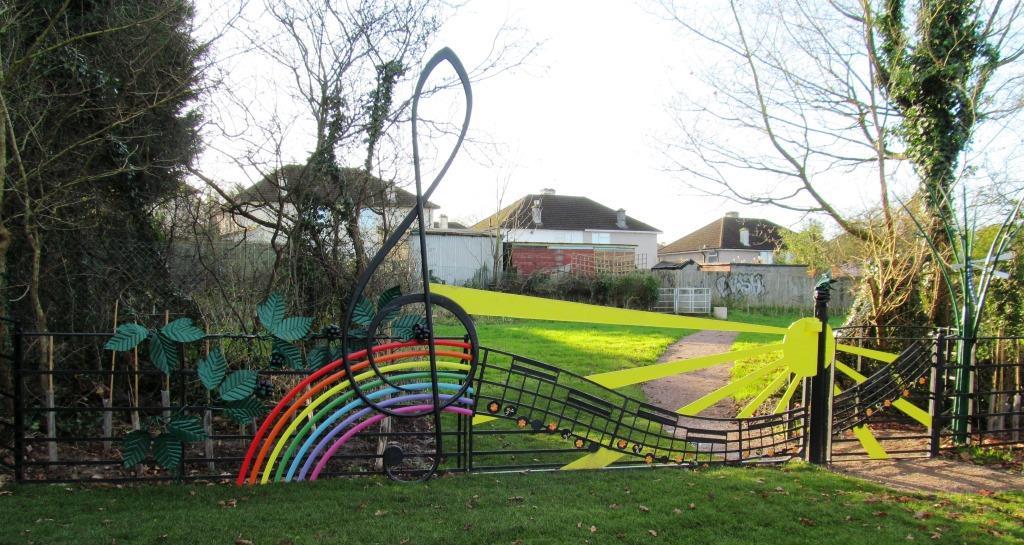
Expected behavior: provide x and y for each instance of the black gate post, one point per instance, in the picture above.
(821, 385)
(17, 365)
(938, 392)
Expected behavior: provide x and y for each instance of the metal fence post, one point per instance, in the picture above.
(938, 393)
(821, 383)
(17, 364)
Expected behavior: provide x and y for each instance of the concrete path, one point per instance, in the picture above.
(675, 391)
(933, 475)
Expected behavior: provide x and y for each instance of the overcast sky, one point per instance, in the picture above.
(587, 114)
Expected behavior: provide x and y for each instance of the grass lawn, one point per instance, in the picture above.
(794, 504)
(581, 348)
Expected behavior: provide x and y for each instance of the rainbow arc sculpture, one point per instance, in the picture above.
(428, 383)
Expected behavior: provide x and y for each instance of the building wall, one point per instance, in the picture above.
(758, 286)
(724, 256)
(455, 259)
(646, 243)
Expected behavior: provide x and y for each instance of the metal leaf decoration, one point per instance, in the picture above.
(289, 351)
(364, 311)
(212, 369)
(271, 311)
(134, 447)
(167, 449)
(238, 385)
(163, 352)
(186, 428)
(292, 329)
(126, 337)
(182, 330)
(244, 410)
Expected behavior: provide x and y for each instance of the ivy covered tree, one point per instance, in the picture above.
(933, 61)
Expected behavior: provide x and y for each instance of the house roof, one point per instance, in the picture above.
(289, 184)
(724, 234)
(563, 213)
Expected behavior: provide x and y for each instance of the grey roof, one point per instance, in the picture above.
(561, 212)
(291, 179)
(724, 234)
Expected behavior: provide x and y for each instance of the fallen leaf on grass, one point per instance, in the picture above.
(881, 514)
(693, 506)
(379, 513)
(240, 541)
(806, 521)
(677, 511)
(645, 509)
(593, 529)
(613, 506)
(921, 515)
(654, 533)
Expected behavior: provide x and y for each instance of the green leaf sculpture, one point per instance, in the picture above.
(134, 447)
(364, 311)
(318, 357)
(182, 330)
(238, 385)
(167, 449)
(271, 311)
(163, 352)
(126, 337)
(389, 295)
(212, 369)
(186, 428)
(291, 352)
(292, 329)
(245, 410)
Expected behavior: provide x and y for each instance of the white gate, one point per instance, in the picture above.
(684, 300)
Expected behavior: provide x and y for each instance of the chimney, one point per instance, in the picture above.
(444, 221)
(547, 191)
(536, 210)
(620, 218)
(732, 214)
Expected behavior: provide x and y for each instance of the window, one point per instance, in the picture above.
(601, 238)
(767, 258)
(745, 236)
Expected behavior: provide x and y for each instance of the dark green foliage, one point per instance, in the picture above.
(212, 369)
(238, 385)
(104, 126)
(638, 290)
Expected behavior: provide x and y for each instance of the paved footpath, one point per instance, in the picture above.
(678, 390)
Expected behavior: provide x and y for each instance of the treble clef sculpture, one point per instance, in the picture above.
(412, 406)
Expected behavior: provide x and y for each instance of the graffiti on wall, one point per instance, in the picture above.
(741, 284)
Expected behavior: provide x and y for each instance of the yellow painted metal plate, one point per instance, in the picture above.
(489, 303)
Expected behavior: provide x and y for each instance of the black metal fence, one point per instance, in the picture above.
(73, 402)
(994, 415)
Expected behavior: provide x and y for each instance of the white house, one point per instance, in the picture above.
(547, 231)
(729, 239)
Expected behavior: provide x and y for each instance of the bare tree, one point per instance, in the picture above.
(800, 86)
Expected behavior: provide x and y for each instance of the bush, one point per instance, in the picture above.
(638, 290)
